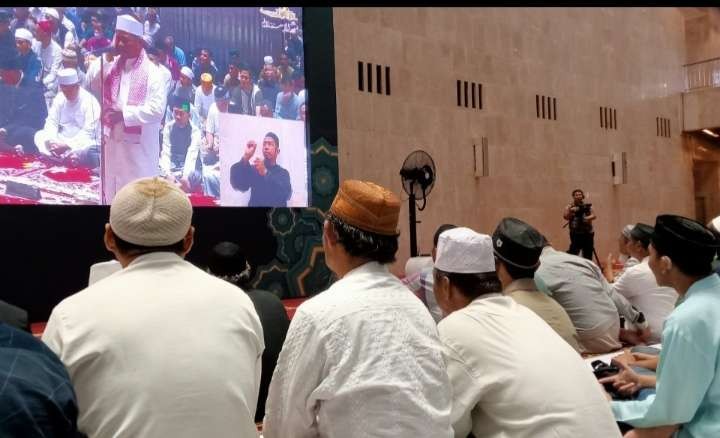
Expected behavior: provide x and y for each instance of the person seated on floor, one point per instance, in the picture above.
(161, 348)
(625, 257)
(687, 399)
(228, 262)
(511, 374)
(517, 247)
(31, 65)
(37, 397)
(180, 152)
(23, 110)
(638, 284)
(422, 283)
(579, 286)
(72, 128)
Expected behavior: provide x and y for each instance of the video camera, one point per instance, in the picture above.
(583, 210)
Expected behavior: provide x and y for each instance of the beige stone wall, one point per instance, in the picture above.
(702, 30)
(625, 58)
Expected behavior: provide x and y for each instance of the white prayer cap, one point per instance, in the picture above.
(150, 212)
(52, 12)
(67, 76)
(464, 251)
(186, 71)
(130, 25)
(23, 34)
(268, 59)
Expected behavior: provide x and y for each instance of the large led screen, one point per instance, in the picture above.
(212, 99)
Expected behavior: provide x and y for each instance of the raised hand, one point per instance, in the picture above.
(250, 149)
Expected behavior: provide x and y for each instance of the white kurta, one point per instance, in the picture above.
(191, 156)
(161, 349)
(513, 376)
(639, 286)
(361, 359)
(51, 60)
(131, 156)
(76, 123)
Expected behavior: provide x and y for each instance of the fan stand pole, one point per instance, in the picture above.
(413, 227)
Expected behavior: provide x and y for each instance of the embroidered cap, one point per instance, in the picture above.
(368, 206)
(464, 251)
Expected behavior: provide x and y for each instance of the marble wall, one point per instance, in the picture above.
(629, 59)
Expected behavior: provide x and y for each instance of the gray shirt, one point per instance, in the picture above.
(580, 287)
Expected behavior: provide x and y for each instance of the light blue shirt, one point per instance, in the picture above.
(688, 390)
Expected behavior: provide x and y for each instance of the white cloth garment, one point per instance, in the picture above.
(204, 101)
(212, 124)
(191, 156)
(129, 156)
(513, 376)
(160, 349)
(51, 60)
(101, 270)
(639, 286)
(361, 359)
(76, 124)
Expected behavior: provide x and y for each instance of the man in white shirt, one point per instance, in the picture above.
(63, 29)
(50, 54)
(160, 348)
(511, 374)
(133, 105)
(361, 359)
(639, 286)
(204, 96)
(72, 128)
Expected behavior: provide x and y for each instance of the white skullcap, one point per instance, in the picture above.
(67, 76)
(464, 251)
(23, 34)
(268, 59)
(626, 231)
(150, 212)
(186, 71)
(130, 25)
(52, 12)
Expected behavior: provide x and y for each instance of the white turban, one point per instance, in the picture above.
(23, 34)
(130, 25)
(186, 71)
(150, 212)
(52, 12)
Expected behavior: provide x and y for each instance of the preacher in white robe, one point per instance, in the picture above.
(132, 146)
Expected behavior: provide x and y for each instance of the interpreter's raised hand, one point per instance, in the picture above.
(626, 382)
(250, 150)
(260, 166)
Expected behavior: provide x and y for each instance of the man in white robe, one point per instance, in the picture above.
(361, 359)
(512, 375)
(159, 348)
(72, 128)
(133, 105)
(50, 54)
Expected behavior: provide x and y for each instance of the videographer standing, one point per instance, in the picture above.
(580, 217)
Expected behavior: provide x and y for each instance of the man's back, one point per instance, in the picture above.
(576, 284)
(36, 396)
(513, 376)
(524, 292)
(364, 359)
(160, 349)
